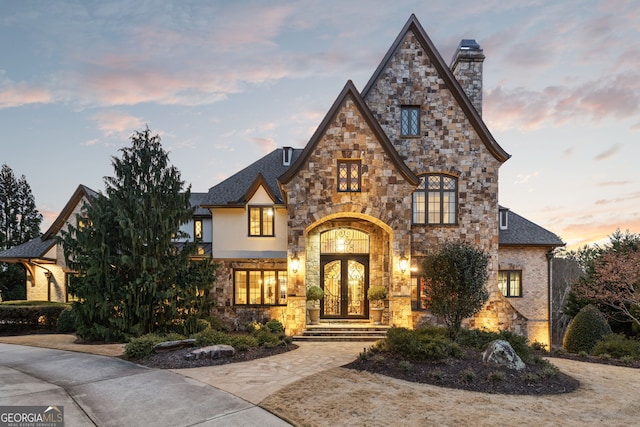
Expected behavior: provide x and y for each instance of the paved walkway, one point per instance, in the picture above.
(108, 391)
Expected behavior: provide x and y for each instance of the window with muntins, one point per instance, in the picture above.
(260, 287)
(510, 283)
(349, 175)
(435, 201)
(197, 229)
(410, 121)
(261, 220)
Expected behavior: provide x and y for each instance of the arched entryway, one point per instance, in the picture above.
(344, 273)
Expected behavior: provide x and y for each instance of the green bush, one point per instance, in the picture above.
(212, 337)
(420, 344)
(66, 321)
(477, 338)
(22, 317)
(618, 347)
(242, 342)
(275, 326)
(315, 293)
(587, 328)
(141, 347)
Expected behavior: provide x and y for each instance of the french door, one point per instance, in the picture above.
(345, 280)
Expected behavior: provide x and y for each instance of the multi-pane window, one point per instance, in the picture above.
(410, 121)
(435, 201)
(260, 287)
(261, 220)
(197, 229)
(349, 174)
(510, 283)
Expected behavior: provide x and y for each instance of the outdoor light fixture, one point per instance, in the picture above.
(295, 263)
(404, 262)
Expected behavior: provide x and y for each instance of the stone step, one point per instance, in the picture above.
(343, 331)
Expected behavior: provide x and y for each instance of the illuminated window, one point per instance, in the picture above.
(197, 229)
(410, 121)
(260, 287)
(349, 172)
(261, 220)
(418, 299)
(510, 283)
(435, 201)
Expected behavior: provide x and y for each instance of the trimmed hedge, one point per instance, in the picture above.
(585, 330)
(16, 318)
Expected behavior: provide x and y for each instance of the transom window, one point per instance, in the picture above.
(435, 201)
(260, 287)
(349, 174)
(410, 121)
(510, 283)
(261, 220)
(344, 241)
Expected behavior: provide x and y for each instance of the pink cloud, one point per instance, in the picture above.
(266, 145)
(22, 94)
(116, 122)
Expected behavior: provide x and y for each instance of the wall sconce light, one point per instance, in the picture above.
(295, 263)
(404, 262)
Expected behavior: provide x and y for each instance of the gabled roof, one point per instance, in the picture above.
(234, 190)
(81, 191)
(197, 200)
(350, 90)
(522, 232)
(450, 81)
(33, 249)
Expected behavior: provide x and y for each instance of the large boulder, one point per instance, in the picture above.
(501, 353)
(217, 351)
(174, 345)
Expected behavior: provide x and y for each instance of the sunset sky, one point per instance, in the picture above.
(225, 82)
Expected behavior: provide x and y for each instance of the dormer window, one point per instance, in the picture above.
(504, 219)
(410, 120)
(349, 175)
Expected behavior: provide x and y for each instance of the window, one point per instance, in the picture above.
(435, 200)
(197, 229)
(510, 283)
(410, 121)
(349, 175)
(261, 221)
(418, 300)
(504, 219)
(260, 287)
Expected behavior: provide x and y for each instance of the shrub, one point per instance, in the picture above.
(242, 342)
(585, 330)
(479, 339)
(315, 293)
(420, 344)
(265, 338)
(468, 375)
(212, 337)
(66, 321)
(275, 326)
(141, 347)
(21, 317)
(496, 376)
(618, 347)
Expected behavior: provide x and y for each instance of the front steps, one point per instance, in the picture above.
(351, 330)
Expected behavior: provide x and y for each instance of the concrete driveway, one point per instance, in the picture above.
(107, 391)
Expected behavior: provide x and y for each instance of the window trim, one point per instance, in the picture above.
(261, 209)
(279, 274)
(410, 109)
(425, 191)
(508, 285)
(347, 163)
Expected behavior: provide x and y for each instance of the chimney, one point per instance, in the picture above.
(466, 66)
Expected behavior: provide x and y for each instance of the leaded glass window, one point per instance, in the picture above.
(435, 201)
(410, 121)
(349, 175)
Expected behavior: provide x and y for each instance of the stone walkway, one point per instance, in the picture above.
(257, 379)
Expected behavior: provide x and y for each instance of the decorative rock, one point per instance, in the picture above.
(501, 353)
(211, 352)
(174, 345)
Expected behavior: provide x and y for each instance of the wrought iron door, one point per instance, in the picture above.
(345, 280)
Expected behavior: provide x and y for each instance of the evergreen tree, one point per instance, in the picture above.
(19, 223)
(132, 279)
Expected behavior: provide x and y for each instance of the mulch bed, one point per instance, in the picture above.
(469, 373)
(176, 359)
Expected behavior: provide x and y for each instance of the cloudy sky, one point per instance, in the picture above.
(225, 82)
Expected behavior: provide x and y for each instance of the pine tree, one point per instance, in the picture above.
(132, 279)
(19, 223)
